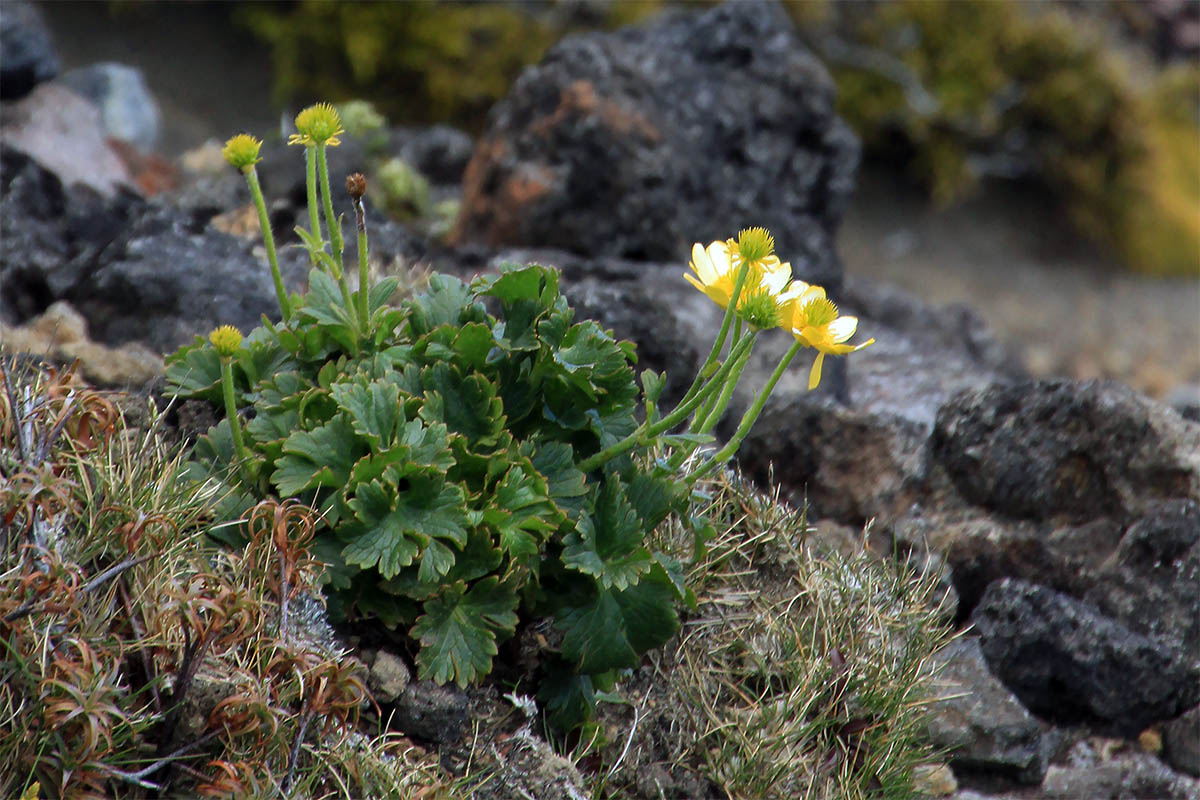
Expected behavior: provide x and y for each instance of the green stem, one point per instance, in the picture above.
(235, 425)
(710, 419)
(310, 181)
(675, 417)
(285, 306)
(749, 418)
(331, 222)
(719, 344)
(361, 217)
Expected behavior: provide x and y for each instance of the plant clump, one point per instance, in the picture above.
(477, 459)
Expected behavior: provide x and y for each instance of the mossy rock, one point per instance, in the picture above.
(974, 87)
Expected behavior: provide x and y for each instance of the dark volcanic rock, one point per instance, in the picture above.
(981, 724)
(1152, 581)
(1181, 742)
(1091, 773)
(166, 278)
(640, 142)
(1060, 449)
(50, 230)
(29, 55)
(1068, 663)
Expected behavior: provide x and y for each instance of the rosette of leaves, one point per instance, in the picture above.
(441, 450)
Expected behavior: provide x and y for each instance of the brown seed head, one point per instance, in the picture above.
(356, 185)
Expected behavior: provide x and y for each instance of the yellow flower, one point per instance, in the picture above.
(717, 267)
(226, 340)
(318, 124)
(242, 150)
(816, 323)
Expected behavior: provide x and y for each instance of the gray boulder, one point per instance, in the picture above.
(984, 728)
(29, 54)
(1066, 451)
(639, 142)
(128, 109)
(1068, 663)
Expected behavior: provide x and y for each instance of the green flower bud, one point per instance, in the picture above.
(755, 244)
(242, 151)
(227, 340)
(318, 124)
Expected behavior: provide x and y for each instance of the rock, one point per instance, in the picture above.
(934, 780)
(430, 712)
(1129, 774)
(182, 278)
(1066, 451)
(1068, 663)
(639, 142)
(850, 465)
(63, 132)
(440, 152)
(1150, 582)
(49, 230)
(1185, 399)
(61, 334)
(389, 677)
(923, 354)
(128, 110)
(1181, 742)
(984, 728)
(29, 55)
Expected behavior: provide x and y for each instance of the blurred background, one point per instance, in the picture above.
(1038, 162)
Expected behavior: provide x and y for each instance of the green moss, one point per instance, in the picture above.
(401, 190)
(417, 61)
(994, 74)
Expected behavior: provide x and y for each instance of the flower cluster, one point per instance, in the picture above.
(746, 272)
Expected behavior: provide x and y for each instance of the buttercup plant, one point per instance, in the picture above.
(479, 460)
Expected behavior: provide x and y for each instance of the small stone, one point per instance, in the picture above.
(430, 712)
(128, 110)
(935, 780)
(389, 677)
(1151, 741)
(1181, 742)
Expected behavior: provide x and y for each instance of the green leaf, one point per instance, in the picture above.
(398, 525)
(442, 304)
(374, 410)
(607, 543)
(458, 631)
(565, 483)
(472, 345)
(618, 626)
(380, 293)
(467, 405)
(522, 513)
(652, 384)
(321, 457)
(195, 371)
(654, 496)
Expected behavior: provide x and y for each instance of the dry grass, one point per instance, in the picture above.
(138, 661)
(802, 673)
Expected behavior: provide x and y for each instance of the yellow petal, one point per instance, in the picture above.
(814, 376)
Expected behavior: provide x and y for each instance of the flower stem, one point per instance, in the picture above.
(363, 288)
(675, 417)
(285, 305)
(331, 222)
(310, 182)
(719, 344)
(235, 425)
(749, 418)
(718, 403)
